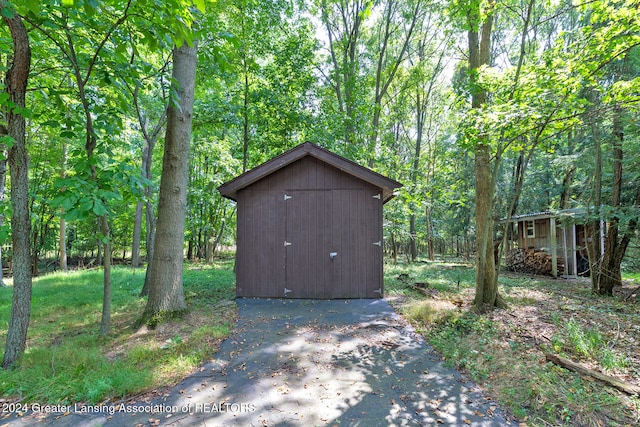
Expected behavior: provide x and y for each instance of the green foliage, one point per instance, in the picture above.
(588, 343)
(65, 315)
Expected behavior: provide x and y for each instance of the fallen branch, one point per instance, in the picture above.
(632, 293)
(426, 291)
(576, 367)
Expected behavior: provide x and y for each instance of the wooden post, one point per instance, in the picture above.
(554, 249)
(574, 251)
(564, 251)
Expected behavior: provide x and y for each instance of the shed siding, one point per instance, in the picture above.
(327, 211)
(258, 247)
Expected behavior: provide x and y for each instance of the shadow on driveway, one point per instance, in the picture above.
(313, 362)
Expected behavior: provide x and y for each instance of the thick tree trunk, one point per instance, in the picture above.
(166, 296)
(16, 85)
(479, 37)
(608, 273)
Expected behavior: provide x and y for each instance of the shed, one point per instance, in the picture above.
(309, 225)
(561, 234)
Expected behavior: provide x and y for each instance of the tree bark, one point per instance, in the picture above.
(608, 275)
(166, 295)
(16, 85)
(137, 233)
(105, 320)
(606, 268)
(3, 182)
(150, 139)
(63, 224)
(479, 38)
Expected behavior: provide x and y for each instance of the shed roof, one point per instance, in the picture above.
(230, 188)
(548, 214)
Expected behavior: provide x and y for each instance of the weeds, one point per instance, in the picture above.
(504, 350)
(574, 339)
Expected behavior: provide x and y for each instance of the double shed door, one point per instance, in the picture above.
(333, 244)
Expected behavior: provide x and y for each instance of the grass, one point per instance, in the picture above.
(65, 317)
(504, 350)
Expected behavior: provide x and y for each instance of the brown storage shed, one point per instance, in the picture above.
(309, 225)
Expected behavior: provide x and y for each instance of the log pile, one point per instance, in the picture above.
(529, 261)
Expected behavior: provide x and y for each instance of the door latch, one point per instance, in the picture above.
(333, 255)
(286, 291)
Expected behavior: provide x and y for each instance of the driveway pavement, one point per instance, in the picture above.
(305, 363)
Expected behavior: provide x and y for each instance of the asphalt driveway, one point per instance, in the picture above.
(303, 363)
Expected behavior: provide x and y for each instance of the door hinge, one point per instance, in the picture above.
(377, 196)
(378, 243)
(287, 197)
(287, 243)
(378, 291)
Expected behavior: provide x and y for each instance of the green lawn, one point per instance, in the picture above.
(68, 361)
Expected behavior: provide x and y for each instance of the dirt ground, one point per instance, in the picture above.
(562, 317)
(537, 315)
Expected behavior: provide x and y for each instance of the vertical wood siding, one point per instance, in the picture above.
(328, 211)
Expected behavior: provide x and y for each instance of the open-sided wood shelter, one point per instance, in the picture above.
(309, 225)
(560, 234)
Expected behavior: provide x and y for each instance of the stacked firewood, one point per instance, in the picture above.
(530, 261)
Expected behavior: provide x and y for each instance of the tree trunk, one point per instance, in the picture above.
(137, 233)
(166, 296)
(105, 320)
(3, 182)
(608, 273)
(479, 37)
(430, 248)
(147, 160)
(594, 251)
(63, 224)
(16, 85)
(150, 241)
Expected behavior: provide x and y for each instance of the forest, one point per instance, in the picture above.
(483, 109)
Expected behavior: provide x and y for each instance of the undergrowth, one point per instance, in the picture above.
(504, 351)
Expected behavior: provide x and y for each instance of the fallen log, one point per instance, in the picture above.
(576, 367)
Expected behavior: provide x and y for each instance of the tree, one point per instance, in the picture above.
(480, 24)
(166, 296)
(15, 102)
(343, 22)
(389, 59)
(605, 266)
